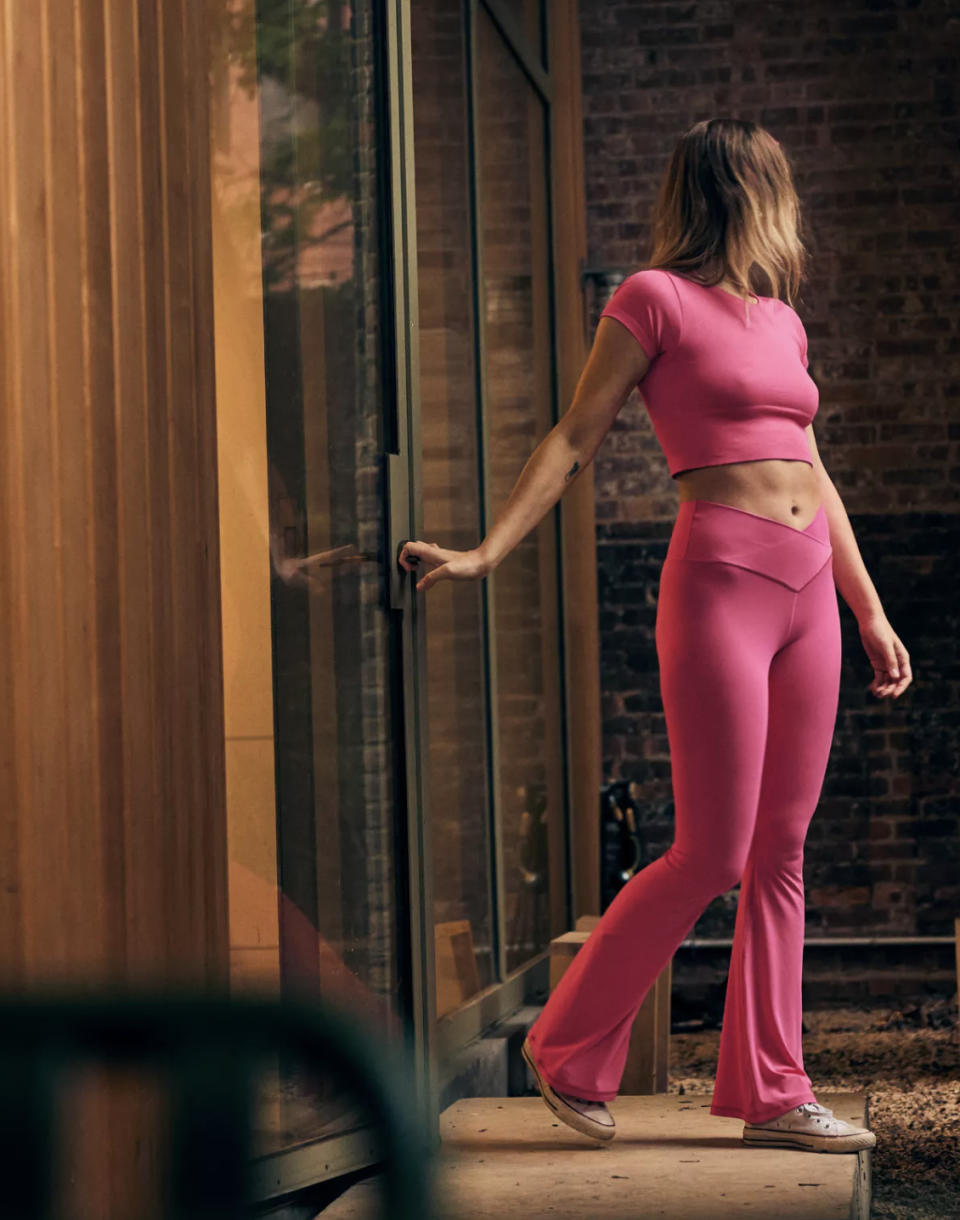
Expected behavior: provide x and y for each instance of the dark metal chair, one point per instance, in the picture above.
(209, 1047)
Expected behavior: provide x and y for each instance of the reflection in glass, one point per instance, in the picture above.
(516, 291)
(307, 641)
(527, 15)
(459, 793)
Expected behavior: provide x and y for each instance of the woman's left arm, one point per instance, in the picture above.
(889, 658)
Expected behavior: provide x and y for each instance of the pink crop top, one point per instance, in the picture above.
(723, 385)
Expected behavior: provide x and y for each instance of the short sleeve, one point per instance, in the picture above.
(646, 303)
(802, 338)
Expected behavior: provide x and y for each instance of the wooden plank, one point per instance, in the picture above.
(956, 932)
(98, 387)
(12, 742)
(69, 423)
(647, 1066)
(111, 776)
(672, 1159)
(210, 863)
(37, 641)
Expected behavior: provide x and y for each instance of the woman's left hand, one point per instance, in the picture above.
(889, 658)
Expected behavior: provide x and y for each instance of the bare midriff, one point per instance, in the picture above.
(782, 489)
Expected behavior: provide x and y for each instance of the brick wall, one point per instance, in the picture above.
(865, 104)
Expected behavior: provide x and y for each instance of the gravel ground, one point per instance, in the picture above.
(907, 1062)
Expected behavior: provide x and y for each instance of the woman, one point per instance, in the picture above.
(747, 632)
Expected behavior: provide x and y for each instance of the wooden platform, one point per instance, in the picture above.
(508, 1157)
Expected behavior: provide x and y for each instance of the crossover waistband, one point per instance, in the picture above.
(708, 531)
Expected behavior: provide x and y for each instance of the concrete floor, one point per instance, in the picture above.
(508, 1157)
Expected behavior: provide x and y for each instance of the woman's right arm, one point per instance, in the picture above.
(615, 364)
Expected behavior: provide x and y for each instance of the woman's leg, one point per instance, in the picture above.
(718, 625)
(760, 1072)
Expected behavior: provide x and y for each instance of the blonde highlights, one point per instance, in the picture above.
(727, 209)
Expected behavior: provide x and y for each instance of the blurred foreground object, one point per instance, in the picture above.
(207, 1048)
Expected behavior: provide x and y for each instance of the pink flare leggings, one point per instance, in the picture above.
(748, 644)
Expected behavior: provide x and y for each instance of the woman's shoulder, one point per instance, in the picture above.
(653, 278)
(648, 304)
(652, 286)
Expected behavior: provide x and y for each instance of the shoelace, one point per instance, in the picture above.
(813, 1107)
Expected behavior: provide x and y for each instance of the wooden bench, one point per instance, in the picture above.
(956, 937)
(648, 1056)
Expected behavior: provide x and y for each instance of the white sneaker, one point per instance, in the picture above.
(588, 1117)
(812, 1127)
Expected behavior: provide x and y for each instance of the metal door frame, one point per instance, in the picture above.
(438, 1041)
(405, 520)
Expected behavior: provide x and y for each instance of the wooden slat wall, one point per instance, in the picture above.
(112, 808)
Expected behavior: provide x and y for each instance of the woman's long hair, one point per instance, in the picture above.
(727, 208)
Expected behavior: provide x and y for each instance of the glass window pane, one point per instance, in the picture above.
(527, 15)
(308, 645)
(460, 803)
(516, 292)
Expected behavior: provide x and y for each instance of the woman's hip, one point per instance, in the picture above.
(739, 582)
(709, 532)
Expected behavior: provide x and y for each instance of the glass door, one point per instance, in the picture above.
(385, 367)
(313, 493)
(486, 398)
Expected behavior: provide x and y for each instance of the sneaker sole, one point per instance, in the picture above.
(759, 1137)
(567, 1114)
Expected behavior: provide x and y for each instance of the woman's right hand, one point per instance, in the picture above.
(438, 563)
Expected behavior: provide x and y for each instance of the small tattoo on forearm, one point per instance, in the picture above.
(571, 472)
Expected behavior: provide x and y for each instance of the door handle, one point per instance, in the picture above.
(398, 516)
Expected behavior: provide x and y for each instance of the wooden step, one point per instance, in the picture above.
(504, 1157)
(647, 1067)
